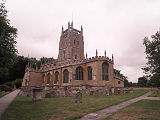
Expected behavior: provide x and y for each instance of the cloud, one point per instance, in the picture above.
(115, 26)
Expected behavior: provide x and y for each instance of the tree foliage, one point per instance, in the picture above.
(8, 50)
(152, 50)
(142, 81)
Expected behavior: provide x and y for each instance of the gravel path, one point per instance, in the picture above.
(6, 100)
(99, 115)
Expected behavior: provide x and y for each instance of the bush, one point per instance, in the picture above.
(9, 84)
(18, 83)
(5, 88)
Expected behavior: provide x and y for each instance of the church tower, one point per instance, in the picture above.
(71, 45)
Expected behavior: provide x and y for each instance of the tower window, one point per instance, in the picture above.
(119, 82)
(75, 56)
(105, 71)
(64, 53)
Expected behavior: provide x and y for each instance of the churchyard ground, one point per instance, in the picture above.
(3, 93)
(141, 110)
(22, 108)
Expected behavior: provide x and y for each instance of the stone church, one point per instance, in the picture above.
(72, 67)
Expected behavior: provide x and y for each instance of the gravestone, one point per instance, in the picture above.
(115, 91)
(96, 93)
(37, 95)
(109, 91)
(78, 97)
(52, 94)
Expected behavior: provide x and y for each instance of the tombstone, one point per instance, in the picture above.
(115, 91)
(109, 91)
(96, 93)
(65, 88)
(157, 91)
(68, 93)
(61, 93)
(37, 95)
(78, 97)
(52, 94)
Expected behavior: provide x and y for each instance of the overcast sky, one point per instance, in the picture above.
(117, 26)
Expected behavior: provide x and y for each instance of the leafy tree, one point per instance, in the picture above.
(155, 80)
(142, 81)
(18, 69)
(152, 50)
(7, 44)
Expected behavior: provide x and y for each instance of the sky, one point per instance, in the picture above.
(117, 26)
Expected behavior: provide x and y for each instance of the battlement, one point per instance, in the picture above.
(55, 65)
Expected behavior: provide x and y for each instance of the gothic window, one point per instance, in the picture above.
(48, 78)
(64, 53)
(43, 78)
(105, 71)
(75, 56)
(74, 42)
(119, 82)
(65, 76)
(79, 73)
(56, 77)
(89, 73)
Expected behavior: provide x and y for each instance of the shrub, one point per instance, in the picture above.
(18, 83)
(5, 88)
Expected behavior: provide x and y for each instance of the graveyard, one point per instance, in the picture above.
(60, 108)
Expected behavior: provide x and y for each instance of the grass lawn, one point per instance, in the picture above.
(62, 108)
(154, 94)
(142, 110)
(3, 93)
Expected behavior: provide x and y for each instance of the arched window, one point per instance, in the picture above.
(43, 78)
(48, 78)
(89, 73)
(79, 73)
(105, 71)
(65, 76)
(56, 77)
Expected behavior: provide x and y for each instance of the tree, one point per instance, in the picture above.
(152, 50)
(155, 80)
(142, 81)
(18, 69)
(7, 44)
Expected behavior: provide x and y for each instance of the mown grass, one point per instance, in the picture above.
(142, 110)
(62, 108)
(154, 94)
(3, 93)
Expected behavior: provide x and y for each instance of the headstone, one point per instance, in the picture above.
(115, 91)
(96, 93)
(78, 97)
(37, 95)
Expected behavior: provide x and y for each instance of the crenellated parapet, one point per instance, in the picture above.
(56, 65)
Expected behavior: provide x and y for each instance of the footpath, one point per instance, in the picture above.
(6, 100)
(99, 115)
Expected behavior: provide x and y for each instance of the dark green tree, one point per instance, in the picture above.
(8, 50)
(152, 50)
(155, 80)
(142, 81)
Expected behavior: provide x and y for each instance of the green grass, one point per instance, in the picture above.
(3, 93)
(142, 110)
(154, 94)
(62, 108)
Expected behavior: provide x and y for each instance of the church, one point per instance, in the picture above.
(72, 67)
